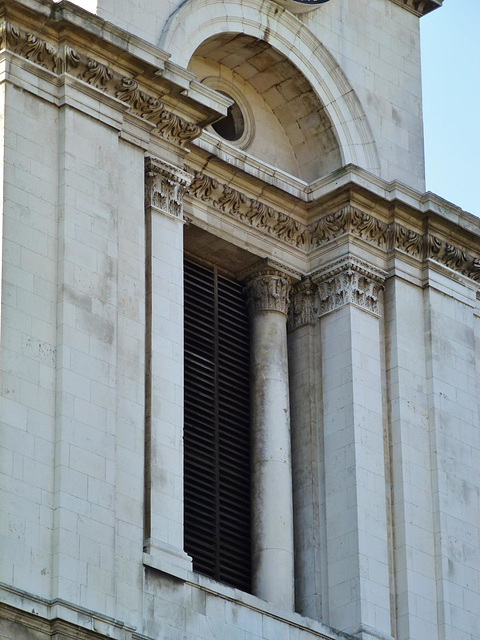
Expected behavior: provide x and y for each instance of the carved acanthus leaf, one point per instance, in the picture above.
(203, 187)
(302, 308)
(165, 186)
(365, 226)
(329, 227)
(141, 103)
(173, 127)
(349, 281)
(30, 47)
(408, 241)
(269, 292)
(97, 74)
(231, 200)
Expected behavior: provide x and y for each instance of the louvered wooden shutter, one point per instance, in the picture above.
(217, 426)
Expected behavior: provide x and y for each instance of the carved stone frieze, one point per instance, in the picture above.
(452, 257)
(30, 47)
(253, 212)
(302, 309)
(59, 59)
(168, 125)
(348, 219)
(151, 108)
(165, 186)
(349, 281)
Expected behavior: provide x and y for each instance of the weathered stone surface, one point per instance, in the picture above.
(107, 156)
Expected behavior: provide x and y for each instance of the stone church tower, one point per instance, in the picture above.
(240, 343)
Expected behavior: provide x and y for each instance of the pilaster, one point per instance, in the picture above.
(354, 454)
(414, 545)
(165, 186)
(452, 399)
(311, 598)
(86, 366)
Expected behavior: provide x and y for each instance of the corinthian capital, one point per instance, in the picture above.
(349, 281)
(268, 287)
(302, 310)
(165, 186)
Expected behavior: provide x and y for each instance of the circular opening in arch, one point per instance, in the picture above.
(232, 126)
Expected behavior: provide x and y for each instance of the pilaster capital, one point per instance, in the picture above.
(268, 287)
(349, 281)
(302, 309)
(165, 186)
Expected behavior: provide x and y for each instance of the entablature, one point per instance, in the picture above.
(73, 42)
(352, 205)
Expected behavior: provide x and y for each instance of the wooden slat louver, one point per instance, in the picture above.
(217, 426)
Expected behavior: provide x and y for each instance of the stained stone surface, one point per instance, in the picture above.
(110, 172)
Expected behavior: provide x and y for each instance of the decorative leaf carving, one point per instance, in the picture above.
(202, 187)
(408, 241)
(72, 58)
(31, 47)
(173, 127)
(97, 74)
(329, 227)
(144, 105)
(231, 200)
(366, 226)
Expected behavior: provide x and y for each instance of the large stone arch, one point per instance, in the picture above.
(197, 20)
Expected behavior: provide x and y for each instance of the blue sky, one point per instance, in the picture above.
(451, 101)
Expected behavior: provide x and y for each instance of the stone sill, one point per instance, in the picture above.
(160, 562)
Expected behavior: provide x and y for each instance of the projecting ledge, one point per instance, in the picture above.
(419, 7)
(235, 597)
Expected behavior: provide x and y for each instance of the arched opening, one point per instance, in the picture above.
(291, 129)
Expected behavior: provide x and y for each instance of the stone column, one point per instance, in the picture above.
(272, 510)
(354, 452)
(165, 185)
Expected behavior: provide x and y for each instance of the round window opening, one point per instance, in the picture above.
(232, 126)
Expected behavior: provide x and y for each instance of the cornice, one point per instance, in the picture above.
(148, 85)
(419, 7)
(349, 219)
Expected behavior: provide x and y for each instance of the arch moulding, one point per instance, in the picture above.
(197, 20)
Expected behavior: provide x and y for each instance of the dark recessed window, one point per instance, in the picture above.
(217, 426)
(232, 126)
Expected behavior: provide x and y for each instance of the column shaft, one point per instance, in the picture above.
(272, 510)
